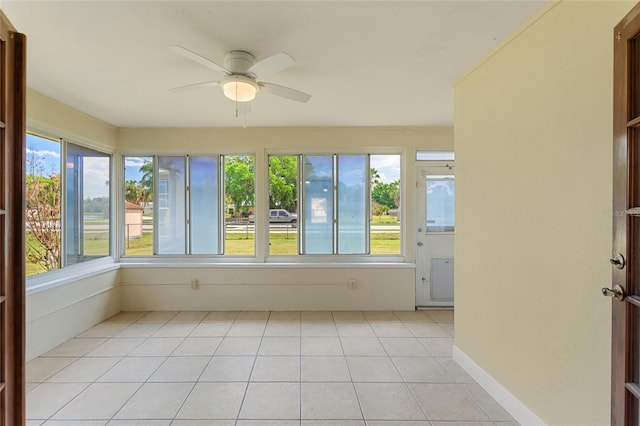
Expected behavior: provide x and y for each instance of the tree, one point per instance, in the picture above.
(283, 188)
(42, 216)
(387, 194)
(145, 194)
(239, 172)
(374, 176)
(132, 191)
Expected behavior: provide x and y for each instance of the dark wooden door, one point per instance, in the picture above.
(625, 399)
(12, 273)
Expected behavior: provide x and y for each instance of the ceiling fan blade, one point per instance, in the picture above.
(272, 64)
(198, 58)
(195, 86)
(285, 92)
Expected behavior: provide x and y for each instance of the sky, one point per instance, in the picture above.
(43, 158)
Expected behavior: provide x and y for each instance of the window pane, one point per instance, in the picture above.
(318, 204)
(171, 205)
(87, 227)
(385, 204)
(440, 204)
(204, 205)
(138, 209)
(239, 187)
(352, 204)
(283, 205)
(42, 215)
(434, 156)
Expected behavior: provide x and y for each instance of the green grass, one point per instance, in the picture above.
(385, 220)
(236, 244)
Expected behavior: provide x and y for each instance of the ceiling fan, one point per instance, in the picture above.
(240, 83)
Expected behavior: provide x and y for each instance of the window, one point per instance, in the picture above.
(435, 156)
(205, 192)
(87, 204)
(341, 212)
(181, 214)
(385, 204)
(283, 205)
(440, 203)
(65, 227)
(239, 189)
(325, 204)
(43, 215)
(138, 208)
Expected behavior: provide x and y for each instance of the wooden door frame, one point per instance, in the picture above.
(12, 281)
(625, 192)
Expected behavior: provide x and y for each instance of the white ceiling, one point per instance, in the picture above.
(366, 63)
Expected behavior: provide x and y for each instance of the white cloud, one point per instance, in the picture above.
(43, 153)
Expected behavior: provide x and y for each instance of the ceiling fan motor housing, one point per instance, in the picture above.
(239, 61)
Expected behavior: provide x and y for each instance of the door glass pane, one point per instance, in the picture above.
(87, 204)
(283, 205)
(43, 205)
(138, 209)
(385, 204)
(352, 204)
(204, 205)
(318, 204)
(239, 187)
(440, 203)
(171, 205)
(634, 80)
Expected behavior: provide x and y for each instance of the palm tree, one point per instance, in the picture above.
(375, 176)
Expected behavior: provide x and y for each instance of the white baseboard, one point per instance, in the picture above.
(517, 409)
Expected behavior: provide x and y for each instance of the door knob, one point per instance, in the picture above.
(420, 244)
(618, 261)
(617, 292)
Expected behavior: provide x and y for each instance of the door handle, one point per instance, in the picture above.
(420, 243)
(618, 261)
(617, 292)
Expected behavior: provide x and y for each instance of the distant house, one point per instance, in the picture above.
(133, 220)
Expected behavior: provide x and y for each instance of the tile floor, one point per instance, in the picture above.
(259, 368)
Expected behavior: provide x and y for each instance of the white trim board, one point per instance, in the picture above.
(509, 402)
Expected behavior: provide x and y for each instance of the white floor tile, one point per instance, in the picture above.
(228, 369)
(98, 401)
(213, 401)
(238, 346)
(446, 402)
(47, 398)
(330, 401)
(403, 346)
(279, 346)
(40, 369)
(373, 369)
(271, 401)
(155, 401)
(198, 346)
(84, 370)
(276, 369)
(388, 401)
(132, 369)
(157, 346)
(362, 346)
(118, 346)
(180, 369)
(324, 346)
(325, 369)
(422, 370)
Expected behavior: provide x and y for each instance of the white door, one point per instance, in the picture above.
(435, 197)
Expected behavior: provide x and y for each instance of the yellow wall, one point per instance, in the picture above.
(533, 149)
(56, 119)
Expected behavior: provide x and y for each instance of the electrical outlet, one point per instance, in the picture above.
(195, 283)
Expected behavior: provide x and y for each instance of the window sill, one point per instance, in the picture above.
(52, 279)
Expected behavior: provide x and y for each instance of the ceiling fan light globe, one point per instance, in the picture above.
(239, 89)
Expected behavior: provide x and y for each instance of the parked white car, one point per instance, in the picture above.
(279, 216)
